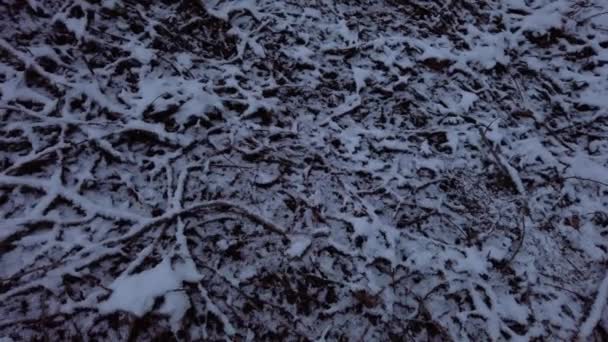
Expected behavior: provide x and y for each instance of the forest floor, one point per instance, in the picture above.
(303, 170)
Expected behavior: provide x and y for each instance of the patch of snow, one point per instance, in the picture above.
(299, 245)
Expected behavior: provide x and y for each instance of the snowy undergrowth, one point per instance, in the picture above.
(303, 170)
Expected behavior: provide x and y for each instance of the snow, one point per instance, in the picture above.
(175, 306)
(360, 75)
(136, 293)
(597, 309)
(585, 167)
(253, 170)
(247, 273)
(299, 245)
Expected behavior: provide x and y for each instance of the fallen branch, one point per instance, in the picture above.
(596, 311)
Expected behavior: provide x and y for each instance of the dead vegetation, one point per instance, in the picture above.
(398, 170)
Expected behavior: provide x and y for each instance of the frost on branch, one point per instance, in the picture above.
(303, 170)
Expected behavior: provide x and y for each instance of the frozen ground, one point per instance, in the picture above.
(303, 170)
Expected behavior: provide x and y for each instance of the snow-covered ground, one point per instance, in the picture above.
(303, 170)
